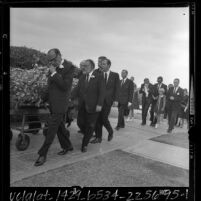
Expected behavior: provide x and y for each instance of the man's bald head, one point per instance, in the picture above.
(54, 56)
(53, 53)
(82, 65)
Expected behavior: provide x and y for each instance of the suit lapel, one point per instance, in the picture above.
(88, 83)
(172, 90)
(59, 70)
(109, 78)
(122, 85)
(92, 77)
(125, 83)
(176, 90)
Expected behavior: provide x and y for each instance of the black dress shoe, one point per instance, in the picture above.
(151, 124)
(84, 149)
(110, 136)
(143, 124)
(169, 130)
(63, 152)
(80, 131)
(117, 128)
(40, 161)
(70, 149)
(96, 140)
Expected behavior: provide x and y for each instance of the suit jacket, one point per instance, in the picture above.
(126, 91)
(178, 97)
(59, 88)
(112, 88)
(150, 92)
(98, 71)
(91, 94)
(156, 89)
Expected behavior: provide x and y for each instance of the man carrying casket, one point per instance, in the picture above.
(58, 93)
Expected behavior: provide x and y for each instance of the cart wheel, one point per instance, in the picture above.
(11, 135)
(21, 144)
(35, 132)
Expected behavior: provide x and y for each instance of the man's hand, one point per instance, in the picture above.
(98, 108)
(46, 105)
(52, 69)
(38, 103)
(129, 104)
(171, 97)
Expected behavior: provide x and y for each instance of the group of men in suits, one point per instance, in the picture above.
(97, 90)
(150, 95)
(116, 92)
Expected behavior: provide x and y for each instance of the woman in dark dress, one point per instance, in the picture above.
(135, 102)
(184, 109)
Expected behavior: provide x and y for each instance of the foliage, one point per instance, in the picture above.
(26, 58)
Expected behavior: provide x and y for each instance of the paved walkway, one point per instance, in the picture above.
(133, 139)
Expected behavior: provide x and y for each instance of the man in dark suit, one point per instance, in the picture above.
(90, 93)
(99, 71)
(111, 95)
(80, 120)
(174, 97)
(147, 91)
(59, 87)
(167, 102)
(156, 88)
(125, 97)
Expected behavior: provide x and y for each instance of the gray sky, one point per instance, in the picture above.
(148, 42)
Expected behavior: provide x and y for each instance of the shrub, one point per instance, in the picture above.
(25, 58)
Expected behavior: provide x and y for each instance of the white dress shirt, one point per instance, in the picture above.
(123, 80)
(175, 89)
(108, 74)
(146, 90)
(159, 86)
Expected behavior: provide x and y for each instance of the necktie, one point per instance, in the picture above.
(122, 82)
(174, 90)
(87, 77)
(105, 78)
